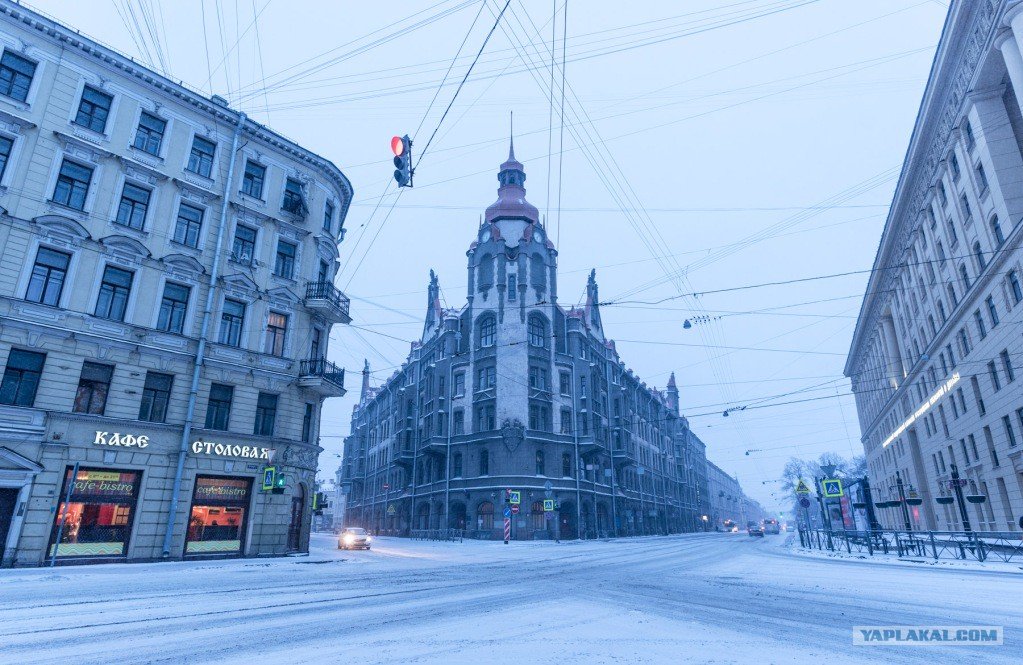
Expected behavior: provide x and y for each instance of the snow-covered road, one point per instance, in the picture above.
(719, 598)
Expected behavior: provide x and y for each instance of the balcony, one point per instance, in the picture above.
(405, 457)
(327, 299)
(625, 455)
(322, 376)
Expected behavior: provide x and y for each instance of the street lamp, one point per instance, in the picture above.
(902, 500)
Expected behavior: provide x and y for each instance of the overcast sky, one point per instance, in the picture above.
(747, 142)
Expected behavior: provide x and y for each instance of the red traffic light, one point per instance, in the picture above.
(397, 146)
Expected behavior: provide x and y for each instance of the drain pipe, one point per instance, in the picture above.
(200, 352)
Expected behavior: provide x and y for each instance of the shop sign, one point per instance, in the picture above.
(221, 489)
(228, 450)
(106, 484)
(118, 439)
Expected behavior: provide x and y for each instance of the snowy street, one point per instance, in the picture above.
(695, 598)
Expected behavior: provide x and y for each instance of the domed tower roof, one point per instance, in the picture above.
(511, 195)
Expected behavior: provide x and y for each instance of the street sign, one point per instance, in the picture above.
(804, 502)
(548, 489)
(515, 497)
(515, 509)
(802, 487)
(507, 512)
(269, 477)
(832, 487)
(548, 505)
(391, 509)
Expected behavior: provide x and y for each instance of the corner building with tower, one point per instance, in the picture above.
(514, 391)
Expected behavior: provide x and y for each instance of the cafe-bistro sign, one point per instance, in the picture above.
(198, 447)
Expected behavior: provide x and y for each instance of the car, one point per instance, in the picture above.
(771, 526)
(754, 529)
(354, 538)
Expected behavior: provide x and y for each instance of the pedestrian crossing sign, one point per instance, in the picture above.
(802, 487)
(548, 505)
(514, 497)
(832, 487)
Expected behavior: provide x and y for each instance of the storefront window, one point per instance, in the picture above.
(219, 510)
(97, 520)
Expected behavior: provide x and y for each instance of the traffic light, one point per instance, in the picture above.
(280, 484)
(401, 146)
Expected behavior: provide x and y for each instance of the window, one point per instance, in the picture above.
(252, 180)
(953, 298)
(566, 421)
(1017, 291)
(21, 377)
(276, 329)
(93, 388)
(93, 110)
(965, 275)
(485, 418)
(979, 320)
(513, 288)
(293, 201)
(953, 161)
(565, 381)
(328, 216)
(981, 178)
(131, 211)
(459, 384)
(172, 308)
(978, 254)
(284, 265)
(456, 470)
(200, 159)
(484, 463)
(993, 372)
(149, 135)
(976, 395)
(964, 342)
(48, 275)
(458, 426)
(72, 185)
(231, 320)
(486, 378)
(537, 331)
(566, 465)
(218, 409)
(991, 446)
(487, 330)
(992, 310)
(537, 377)
(942, 195)
(1010, 434)
(113, 293)
(307, 423)
(941, 250)
(155, 397)
(266, 414)
(967, 213)
(968, 131)
(1010, 374)
(243, 250)
(540, 465)
(16, 75)
(188, 225)
(539, 415)
(6, 146)
(952, 232)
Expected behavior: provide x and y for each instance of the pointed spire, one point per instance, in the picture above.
(671, 382)
(365, 380)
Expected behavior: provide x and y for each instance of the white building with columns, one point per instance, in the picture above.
(937, 354)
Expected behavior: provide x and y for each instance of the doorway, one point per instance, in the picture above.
(297, 512)
(8, 502)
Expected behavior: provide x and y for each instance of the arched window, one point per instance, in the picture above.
(485, 515)
(540, 465)
(566, 465)
(952, 297)
(537, 330)
(978, 254)
(537, 272)
(484, 462)
(487, 329)
(456, 471)
(485, 273)
(965, 275)
(996, 231)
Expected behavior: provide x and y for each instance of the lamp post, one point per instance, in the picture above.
(957, 487)
(902, 501)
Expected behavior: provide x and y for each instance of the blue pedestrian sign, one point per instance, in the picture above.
(832, 487)
(507, 512)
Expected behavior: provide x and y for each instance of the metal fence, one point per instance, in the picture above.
(437, 534)
(962, 545)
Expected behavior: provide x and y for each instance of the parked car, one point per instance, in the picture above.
(771, 526)
(754, 529)
(354, 538)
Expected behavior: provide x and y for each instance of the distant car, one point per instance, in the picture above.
(354, 538)
(771, 526)
(754, 529)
